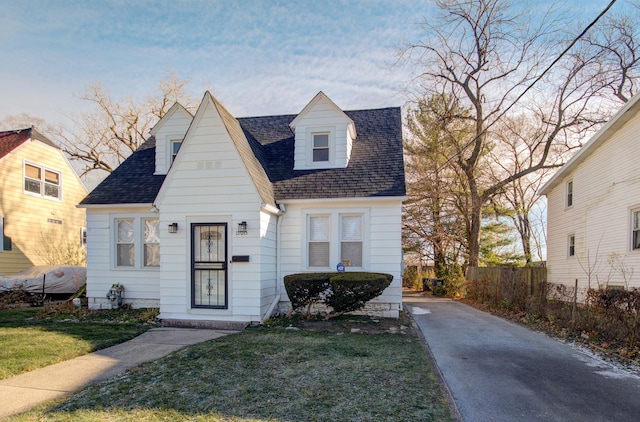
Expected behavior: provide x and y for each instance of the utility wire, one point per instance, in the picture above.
(557, 59)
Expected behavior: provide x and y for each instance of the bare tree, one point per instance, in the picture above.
(499, 60)
(105, 136)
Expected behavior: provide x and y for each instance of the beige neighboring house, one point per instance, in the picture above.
(39, 191)
(593, 209)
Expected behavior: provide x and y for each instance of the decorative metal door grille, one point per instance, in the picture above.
(209, 265)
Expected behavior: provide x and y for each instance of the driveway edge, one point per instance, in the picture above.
(455, 413)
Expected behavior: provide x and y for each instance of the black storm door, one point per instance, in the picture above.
(209, 265)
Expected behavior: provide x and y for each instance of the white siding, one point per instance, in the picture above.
(606, 187)
(209, 184)
(383, 249)
(142, 288)
(172, 127)
(321, 117)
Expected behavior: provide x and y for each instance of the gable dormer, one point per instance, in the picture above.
(324, 135)
(169, 133)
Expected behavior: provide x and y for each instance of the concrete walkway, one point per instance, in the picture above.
(499, 371)
(22, 392)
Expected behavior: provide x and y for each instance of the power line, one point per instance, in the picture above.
(556, 60)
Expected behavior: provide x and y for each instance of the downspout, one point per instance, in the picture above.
(279, 213)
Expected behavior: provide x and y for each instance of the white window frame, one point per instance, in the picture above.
(83, 237)
(172, 154)
(42, 182)
(571, 245)
(1, 233)
(335, 236)
(138, 242)
(569, 191)
(330, 131)
(634, 231)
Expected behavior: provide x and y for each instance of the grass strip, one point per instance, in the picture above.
(28, 342)
(269, 374)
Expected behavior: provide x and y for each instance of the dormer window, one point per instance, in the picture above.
(175, 146)
(324, 136)
(321, 147)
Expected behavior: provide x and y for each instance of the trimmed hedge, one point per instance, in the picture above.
(344, 292)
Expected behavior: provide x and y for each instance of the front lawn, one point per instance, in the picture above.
(31, 338)
(270, 374)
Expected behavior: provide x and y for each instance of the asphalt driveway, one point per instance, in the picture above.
(500, 371)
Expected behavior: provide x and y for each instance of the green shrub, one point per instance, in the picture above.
(304, 289)
(351, 291)
(344, 292)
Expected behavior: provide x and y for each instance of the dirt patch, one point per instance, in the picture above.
(350, 324)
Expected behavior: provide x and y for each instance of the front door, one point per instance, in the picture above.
(209, 265)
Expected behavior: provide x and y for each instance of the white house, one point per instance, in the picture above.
(593, 211)
(209, 215)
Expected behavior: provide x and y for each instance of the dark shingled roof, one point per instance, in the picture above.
(11, 139)
(376, 167)
(133, 182)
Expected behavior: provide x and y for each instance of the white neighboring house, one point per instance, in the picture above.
(593, 210)
(209, 215)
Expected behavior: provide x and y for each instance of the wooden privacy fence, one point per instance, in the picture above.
(510, 287)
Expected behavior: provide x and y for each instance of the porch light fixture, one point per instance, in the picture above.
(173, 228)
(242, 228)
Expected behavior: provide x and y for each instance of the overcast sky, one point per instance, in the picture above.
(257, 57)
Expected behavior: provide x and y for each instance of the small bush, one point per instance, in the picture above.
(351, 291)
(304, 289)
(344, 292)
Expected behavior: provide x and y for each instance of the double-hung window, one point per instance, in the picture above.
(319, 240)
(137, 237)
(571, 245)
(321, 147)
(635, 229)
(335, 237)
(351, 240)
(42, 181)
(570, 193)
(175, 146)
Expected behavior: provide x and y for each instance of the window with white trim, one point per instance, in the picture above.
(351, 237)
(335, 237)
(320, 153)
(151, 242)
(137, 237)
(319, 241)
(83, 237)
(42, 181)
(635, 229)
(571, 245)
(569, 193)
(175, 146)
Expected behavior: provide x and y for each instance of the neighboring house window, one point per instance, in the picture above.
(320, 147)
(42, 181)
(137, 237)
(83, 237)
(571, 243)
(319, 241)
(6, 240)
(570, 193)
(335, 237)
(636, 229)
(175, 146)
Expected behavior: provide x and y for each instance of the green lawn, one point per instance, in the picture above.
(269, 374)
(29, 342)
